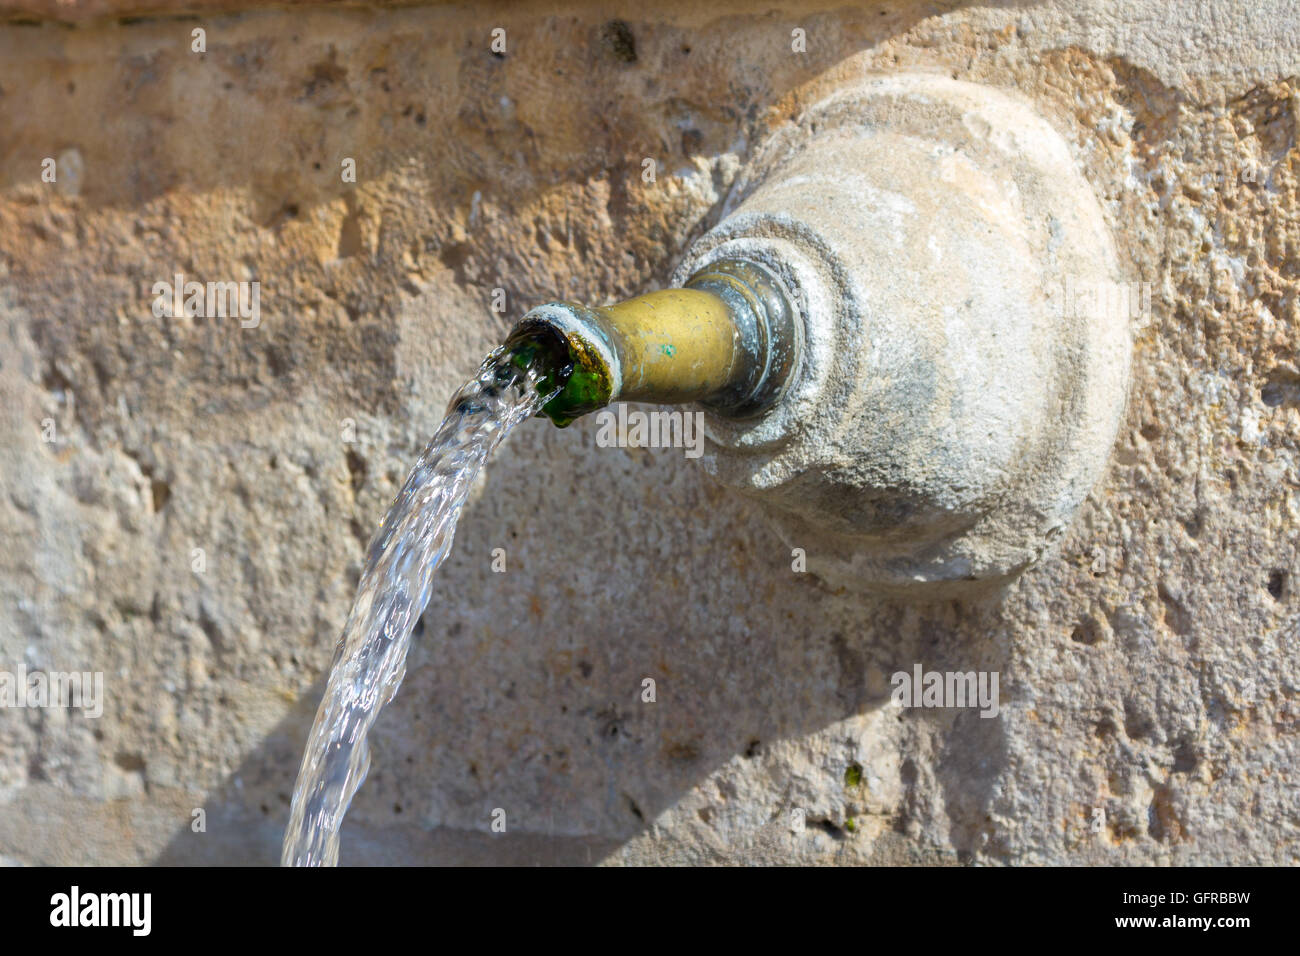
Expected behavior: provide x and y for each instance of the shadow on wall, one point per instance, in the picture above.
(524, 690)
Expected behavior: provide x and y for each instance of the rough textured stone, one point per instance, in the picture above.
(1148, 666)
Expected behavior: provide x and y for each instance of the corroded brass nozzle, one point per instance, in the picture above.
(728, 339)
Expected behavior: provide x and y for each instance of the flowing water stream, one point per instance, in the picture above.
(413, 540)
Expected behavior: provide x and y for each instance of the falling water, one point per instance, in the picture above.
(413, 540)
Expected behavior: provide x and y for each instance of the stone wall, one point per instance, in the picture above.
(186, 501)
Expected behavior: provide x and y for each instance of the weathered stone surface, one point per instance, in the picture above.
(1148, 666)
(952, 409)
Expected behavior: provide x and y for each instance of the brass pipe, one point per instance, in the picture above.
(672, 346)
(729, 339)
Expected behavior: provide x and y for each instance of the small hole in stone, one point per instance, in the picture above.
(1086, 632)
(161, 491)
(619, 40)
(1185, 757)
(1277, 584)
(636, 811)
(1282, 388)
